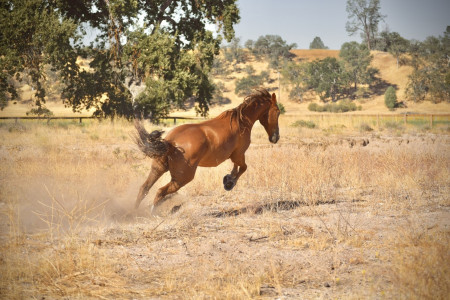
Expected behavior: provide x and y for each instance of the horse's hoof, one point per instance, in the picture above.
(226, 179)
(228, 182)
(229, 185)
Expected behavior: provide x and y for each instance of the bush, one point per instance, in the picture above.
(390, 98)
(315, 107)
(364, 127)
(303, 123)
(340, 107)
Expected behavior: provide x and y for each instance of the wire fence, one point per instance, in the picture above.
(354, 120)
(379, 120)
(174, 119)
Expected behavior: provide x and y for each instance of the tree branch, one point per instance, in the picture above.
(161, 11)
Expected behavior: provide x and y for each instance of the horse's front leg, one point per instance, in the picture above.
(230, 180)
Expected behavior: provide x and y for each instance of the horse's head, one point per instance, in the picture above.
(270, 120)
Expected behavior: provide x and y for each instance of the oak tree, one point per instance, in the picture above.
(163, 46)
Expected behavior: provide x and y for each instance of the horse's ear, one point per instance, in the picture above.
(274, 98)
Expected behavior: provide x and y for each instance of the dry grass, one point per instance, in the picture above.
(320, 215)
(310, 55)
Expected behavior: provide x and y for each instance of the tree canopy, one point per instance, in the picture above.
(430, 78)
(364, 16)
(164, 45)
(357, 60)
(317, 44)
(272, 47)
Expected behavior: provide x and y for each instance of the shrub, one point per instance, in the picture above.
(315, 107)
(364, 127)
(390, 98)
(303, 123)
(342, 106)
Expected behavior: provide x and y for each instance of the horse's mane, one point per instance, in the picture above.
(260, 95)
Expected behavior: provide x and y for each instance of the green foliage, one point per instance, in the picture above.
(173, 58)
(303, 123)
(246, 85)
(40, 111)
(273, 48)
(339, 107)
(249, 44)
(430, 78)
(218, 98)
(295, 74)
(281, 108)
(315, 107)
(364, 127)
(317, 44)
(172, 75)
(234, 54)
(393, 43)
(357, 60)
(327, 77)
(330, 77)
(219, 67)
(390, 98)
(34, 33)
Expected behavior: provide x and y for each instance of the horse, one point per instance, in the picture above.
(206, 144)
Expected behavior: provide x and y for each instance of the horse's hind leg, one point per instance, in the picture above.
(159, 167)
(182, 176)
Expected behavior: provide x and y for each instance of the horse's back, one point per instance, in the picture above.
(204, 144)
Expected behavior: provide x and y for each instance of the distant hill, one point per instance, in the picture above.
(385, 62)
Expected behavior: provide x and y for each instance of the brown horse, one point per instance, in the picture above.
(206, 144)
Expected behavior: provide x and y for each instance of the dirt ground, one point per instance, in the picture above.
(345, 217)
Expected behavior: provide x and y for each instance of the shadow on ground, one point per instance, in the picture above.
(274, 207)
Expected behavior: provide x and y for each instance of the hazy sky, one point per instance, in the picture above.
(299, 21)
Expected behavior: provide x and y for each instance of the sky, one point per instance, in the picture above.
(299, 21)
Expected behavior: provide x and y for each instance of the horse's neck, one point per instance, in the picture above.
(254, 111)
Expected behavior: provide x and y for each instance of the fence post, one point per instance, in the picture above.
(81, 120)
(174, 121)
(431, 121)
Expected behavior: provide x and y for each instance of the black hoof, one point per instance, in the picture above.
(228, 182)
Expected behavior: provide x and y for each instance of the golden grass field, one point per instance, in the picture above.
(343, 207)
(322, 214)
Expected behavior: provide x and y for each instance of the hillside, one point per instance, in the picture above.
(388, 73)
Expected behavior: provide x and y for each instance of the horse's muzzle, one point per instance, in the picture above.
(274, 138)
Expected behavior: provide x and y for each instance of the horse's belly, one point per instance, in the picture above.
(212, 160)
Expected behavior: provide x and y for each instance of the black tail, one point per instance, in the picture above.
(151, 144)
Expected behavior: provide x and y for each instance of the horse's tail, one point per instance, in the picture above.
(151, 144)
